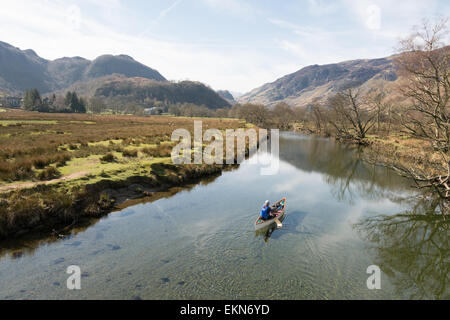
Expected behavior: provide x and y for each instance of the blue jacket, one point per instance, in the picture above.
(265, 211)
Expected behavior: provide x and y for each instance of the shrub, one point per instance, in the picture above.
(40, 162)
(109, 157)
(130, 153)
(61, 159)
(15, 170)
(162, 150)
(49, 173)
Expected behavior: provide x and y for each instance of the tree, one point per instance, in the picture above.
(96, 105)
(133, 108)
(75, 104)
(319, 116)
(283, 115)
(32, 99)
(352, 115)
(257, 114)
(424, 65)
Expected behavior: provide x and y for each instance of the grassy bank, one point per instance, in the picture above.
(394, 147)
(58, 168)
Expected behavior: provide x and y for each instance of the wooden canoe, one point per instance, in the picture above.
(260, 224)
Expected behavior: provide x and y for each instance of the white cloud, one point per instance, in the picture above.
(312, 45)
(295, 48)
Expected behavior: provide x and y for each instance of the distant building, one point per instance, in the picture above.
(152, 111)
(10, 102)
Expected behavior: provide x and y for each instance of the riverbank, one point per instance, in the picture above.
(57, 169)
(58, 207)
(394, 148)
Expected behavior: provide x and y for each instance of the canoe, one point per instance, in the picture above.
(260, 224)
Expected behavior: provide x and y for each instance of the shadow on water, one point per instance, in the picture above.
(412, 247)
(290, 223)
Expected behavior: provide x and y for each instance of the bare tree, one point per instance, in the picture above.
(320, 117)
(96, 105)
(352, 115)
(424, 64)
(283, 115)
(257, 114)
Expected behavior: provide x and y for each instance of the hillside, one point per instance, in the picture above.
(24, 69)
(143, 91)
(319, 82)
(225, 94)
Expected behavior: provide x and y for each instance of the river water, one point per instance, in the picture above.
(199, 243)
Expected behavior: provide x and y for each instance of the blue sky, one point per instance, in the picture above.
(228, 44)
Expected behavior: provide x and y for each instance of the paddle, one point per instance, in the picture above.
(278, 222)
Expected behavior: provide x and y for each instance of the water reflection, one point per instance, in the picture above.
(412, 247)
(342, 166)
(266, 233)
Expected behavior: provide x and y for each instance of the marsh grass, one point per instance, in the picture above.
(105, 150)
(49, 173)
(109, 157)
(160, 150)
(31, 141)
(130, 153)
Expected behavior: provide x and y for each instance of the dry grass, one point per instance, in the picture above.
(407, 152)
(161, 150)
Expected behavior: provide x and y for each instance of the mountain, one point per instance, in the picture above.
(121, 64)
(225, 94)
(321, 81)
(24, 69)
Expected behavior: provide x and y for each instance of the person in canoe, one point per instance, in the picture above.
(266, 211)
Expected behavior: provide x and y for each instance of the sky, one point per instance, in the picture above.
(236, 45)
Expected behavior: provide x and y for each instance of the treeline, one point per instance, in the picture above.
(71, 103)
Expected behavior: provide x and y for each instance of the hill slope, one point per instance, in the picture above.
(225, 94)
(319, 82)
(143, 91)
(24, 69)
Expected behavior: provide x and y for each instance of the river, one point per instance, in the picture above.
(199, 243)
